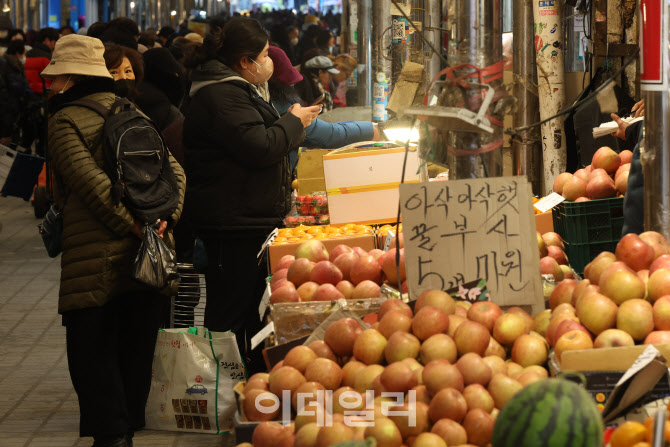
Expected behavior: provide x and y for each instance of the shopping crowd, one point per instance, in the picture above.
(234, 107)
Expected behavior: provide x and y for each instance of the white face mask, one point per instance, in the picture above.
(294, 41)
(264, 71)
(23, 60)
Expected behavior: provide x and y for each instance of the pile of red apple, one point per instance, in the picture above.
(605, 177)
(453, 355)
(624, 299)
(313, 274)
(553, 260)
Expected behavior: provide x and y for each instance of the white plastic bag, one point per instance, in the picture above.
(192, 382)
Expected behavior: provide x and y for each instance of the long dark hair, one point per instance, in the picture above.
(241, 37)
(283, 94)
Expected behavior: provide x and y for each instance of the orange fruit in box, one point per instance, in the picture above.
(649, 425)
(280, 239)
(628, 434)
(314, 230)
(321, 236)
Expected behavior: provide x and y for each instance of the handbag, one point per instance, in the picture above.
(51, 230)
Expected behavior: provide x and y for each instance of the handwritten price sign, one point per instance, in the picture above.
(461, 230)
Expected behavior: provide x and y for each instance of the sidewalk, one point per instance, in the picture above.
(38, 405)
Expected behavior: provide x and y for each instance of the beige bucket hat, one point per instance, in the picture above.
(77, 55)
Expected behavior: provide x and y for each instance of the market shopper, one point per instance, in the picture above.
(236, 149)
(316, 81)
(320, 134)
(633, 202)
(162, 91)
(126, 67)
(111, 319)
(346, 64)
(39, 57)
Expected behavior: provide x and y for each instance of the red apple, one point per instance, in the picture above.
(300, 270)
(560, 181)
(572, 341)
(285, 294)
(429, 321)
(394, 321)
(658, 284)
(312, 249)
(562, 293)
(626, 156)
(285, 262)
(346, 262)
(621, 285)
(473, 337)
(484, 312)
(613, 338)
(338, 250)
(365, 289)
(566, 326)
(597, 313)
(595, 173)
(574, 188)
(366, 268)
(636, 317)
(388, 264)
(598, 266)
(662, 262)
(582, 174)
(600, 187)
(661, 311)
(656, 241)
(341, 335)
(542, 246)
(369, 347)
(621, 183)
(549, 266)
(606, 159)
(635, 252)
(438, 346)
(307, 290)
(401, 346)
(327, 292)
(509, 327)
(657, 338)
(345, 288)
(394, 304)
(325, 272)
(503, 388)
(553, 239)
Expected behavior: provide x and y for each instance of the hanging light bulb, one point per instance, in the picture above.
(132, 5)
(5, 7)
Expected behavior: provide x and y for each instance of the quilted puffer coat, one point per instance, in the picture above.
(98, 246)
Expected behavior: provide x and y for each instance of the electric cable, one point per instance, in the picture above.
(567, 110)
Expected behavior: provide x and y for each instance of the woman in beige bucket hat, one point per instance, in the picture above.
(111, 319)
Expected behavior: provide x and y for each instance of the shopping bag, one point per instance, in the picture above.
(18, 172)
(155, 264)
(192, 382)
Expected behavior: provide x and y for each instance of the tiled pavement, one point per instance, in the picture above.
(38, 406)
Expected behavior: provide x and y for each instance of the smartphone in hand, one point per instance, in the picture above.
(319, 99)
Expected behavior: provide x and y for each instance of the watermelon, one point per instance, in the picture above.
(549, 413)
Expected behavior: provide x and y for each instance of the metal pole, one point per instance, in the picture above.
(399, 48)
(654, 83)
(550, 75)
(526, 149)
(381, 64)
(434, 36)
(475, 38)
(364, 53)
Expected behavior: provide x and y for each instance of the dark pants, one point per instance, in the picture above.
(235, 284)
(110, 353)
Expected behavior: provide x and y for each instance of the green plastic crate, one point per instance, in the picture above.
(588, 228)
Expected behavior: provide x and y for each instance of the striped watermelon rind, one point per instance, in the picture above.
(549, 413)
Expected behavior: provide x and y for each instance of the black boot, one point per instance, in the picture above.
(129, 438)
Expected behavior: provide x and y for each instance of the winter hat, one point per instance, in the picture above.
(321, 63)
(194, 37)
(284, 71)
(77, 55)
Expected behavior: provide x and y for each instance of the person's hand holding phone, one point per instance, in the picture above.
(306, 114)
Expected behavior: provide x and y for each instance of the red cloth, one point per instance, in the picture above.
(33, 67)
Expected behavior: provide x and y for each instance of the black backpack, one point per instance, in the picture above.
(137, 161)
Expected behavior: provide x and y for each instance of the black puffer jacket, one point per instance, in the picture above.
(236, 150)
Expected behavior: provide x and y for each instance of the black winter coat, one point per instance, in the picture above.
(156, 105)
(633, 201)
(236, 149)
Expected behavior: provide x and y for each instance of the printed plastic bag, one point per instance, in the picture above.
(192, 383)
(155, 264)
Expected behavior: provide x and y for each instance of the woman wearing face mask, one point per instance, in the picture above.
(111, 319)
(126, 67)
(236, 148)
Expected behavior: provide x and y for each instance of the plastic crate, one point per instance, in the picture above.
(588, 228)
(587, 222)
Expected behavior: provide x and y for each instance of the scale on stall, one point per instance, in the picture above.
(455, 118)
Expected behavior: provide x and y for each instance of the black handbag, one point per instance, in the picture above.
(51, 230)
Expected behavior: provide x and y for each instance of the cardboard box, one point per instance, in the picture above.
(362, 182)
(544, 222)
(276, 252)
(604, 367)
(310, 171)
